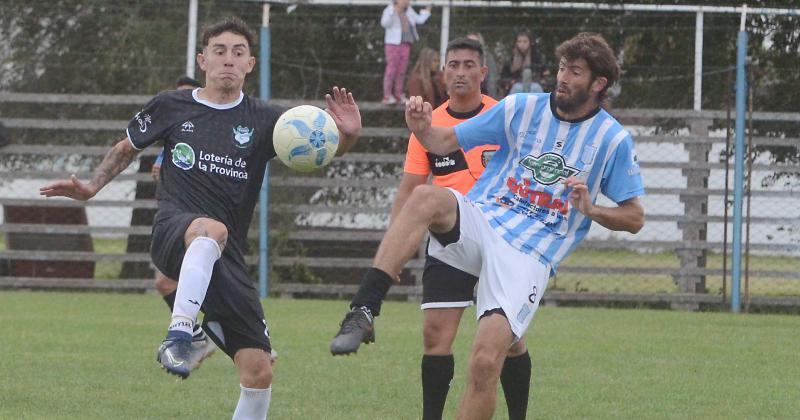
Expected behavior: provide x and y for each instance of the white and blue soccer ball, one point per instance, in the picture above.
(305, 138)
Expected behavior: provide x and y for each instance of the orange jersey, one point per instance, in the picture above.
(458, 170)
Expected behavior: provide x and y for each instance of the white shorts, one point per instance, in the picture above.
(509, 279)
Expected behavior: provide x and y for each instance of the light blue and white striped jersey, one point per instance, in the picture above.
(521, 194)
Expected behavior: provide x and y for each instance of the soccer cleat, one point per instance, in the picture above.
(202, 349)
(356, 328)
(174, 354)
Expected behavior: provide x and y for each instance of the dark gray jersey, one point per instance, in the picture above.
(214, 155)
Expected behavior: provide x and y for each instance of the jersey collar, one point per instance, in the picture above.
(464, 115)
(217, 106)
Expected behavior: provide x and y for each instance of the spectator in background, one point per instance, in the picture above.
(184, 82)
(4, 140)
(400, 22)
(426, 78)
(489, 84)
(524, 56)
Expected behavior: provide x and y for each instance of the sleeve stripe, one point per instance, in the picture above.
(128, 136)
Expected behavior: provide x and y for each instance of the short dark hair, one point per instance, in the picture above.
(186, 80)
(230, 24)
(595, 50)
(465, 44)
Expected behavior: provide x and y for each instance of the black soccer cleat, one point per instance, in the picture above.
(175, 353)
(356, 328)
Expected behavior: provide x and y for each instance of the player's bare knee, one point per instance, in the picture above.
(256, 375)
(484, 366)
(205, 227)
(434, 340)
(428, 202)
(420, 199)
(164, 285)
(517, 349)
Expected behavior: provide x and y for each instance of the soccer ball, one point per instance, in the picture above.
(305, 138)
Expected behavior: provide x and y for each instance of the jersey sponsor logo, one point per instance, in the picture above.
(187, 127)
(634, 169)
(540, 201)
(486, 156)
(448, 164)
(242, 136)
(444, 162)
(222, 165)
(548, 168)
(143, 120)
(183, 156)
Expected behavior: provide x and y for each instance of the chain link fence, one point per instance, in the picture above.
(324, 228)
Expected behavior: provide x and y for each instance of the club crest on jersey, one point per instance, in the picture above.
(242, 136)
(548, 168)
(183, 156)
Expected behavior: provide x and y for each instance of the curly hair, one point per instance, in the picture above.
(598, 54)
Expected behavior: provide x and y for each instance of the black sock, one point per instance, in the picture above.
(170, 299)
(437, 373)
(372, 290)
(516, 380)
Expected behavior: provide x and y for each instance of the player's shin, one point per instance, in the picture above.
(516, 379)
(253, 404)
(372, 291)
(195, 276)
(437, 374)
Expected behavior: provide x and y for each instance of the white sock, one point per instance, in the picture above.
(253, 404)
(198, 262)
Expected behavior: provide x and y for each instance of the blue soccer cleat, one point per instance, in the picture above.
(175, 352)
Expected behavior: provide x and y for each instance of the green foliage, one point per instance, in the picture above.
(587, 363)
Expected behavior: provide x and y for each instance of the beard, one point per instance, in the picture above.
(574, 101)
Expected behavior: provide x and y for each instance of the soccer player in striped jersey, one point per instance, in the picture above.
(531, 207)
(446, 291)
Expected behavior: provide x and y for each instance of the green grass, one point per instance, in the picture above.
(91, 356)
(640, 283)
(591, 283)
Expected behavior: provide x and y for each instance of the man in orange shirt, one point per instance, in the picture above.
(446, 291)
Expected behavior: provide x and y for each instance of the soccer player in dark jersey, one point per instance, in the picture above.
(218, 141)
(202, 346)
(534, 203)
(446, 291)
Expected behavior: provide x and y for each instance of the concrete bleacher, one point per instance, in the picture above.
(312, 259)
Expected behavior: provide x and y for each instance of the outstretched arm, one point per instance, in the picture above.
(344, 110)
(627, 216)
(117, 159)
(438, 140)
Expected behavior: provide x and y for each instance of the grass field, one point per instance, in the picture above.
(92, 356)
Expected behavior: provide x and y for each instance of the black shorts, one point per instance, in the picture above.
(444, 286)
(234, 318)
